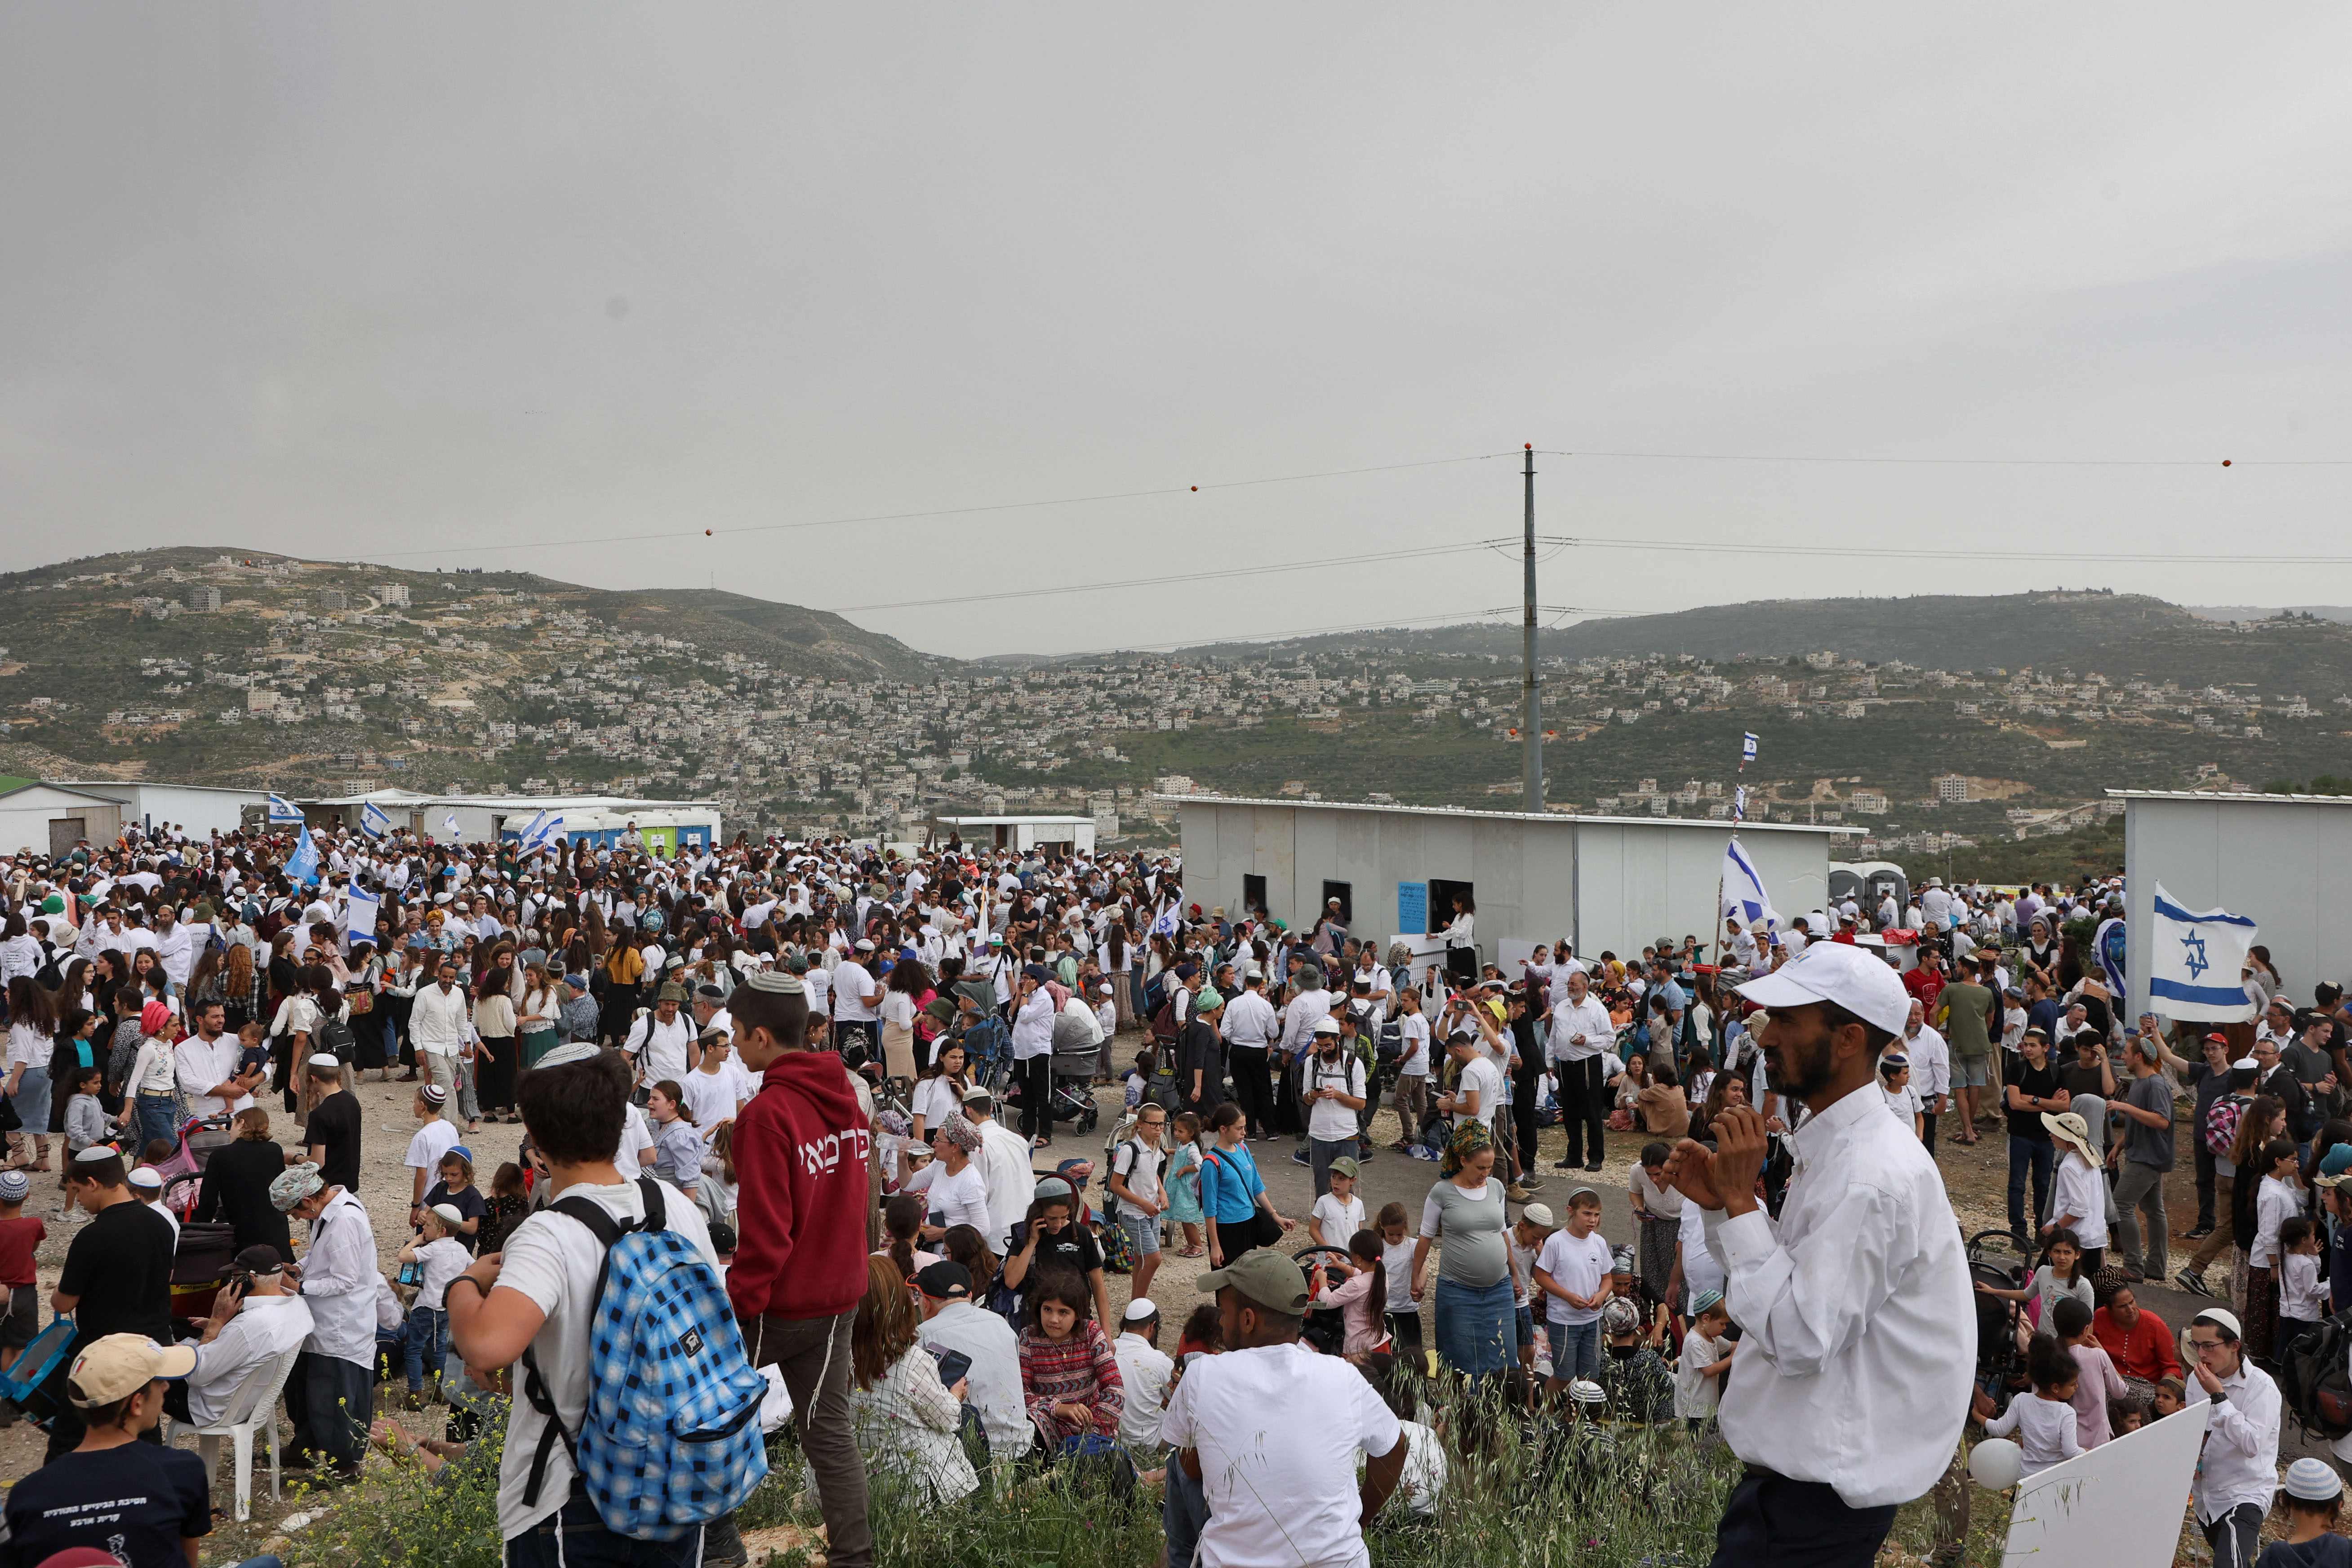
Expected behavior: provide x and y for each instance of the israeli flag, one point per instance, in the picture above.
(2195, 963)
(1165, 924)
(1748, 748)
(374, 822)
(544, 830)
(1740, 803)
(302, 866)
(364, 907)
(1743, 890)
(284, 810)
(450, 825)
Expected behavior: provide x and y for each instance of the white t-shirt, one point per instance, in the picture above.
(1481, 1075)
(1696, 1395)
(1903, 1102)
(637, 1136)
(437, 1263)
(852, 994)
(553, 1260)
(959, 1199)
(1145, 1369)
(712, 1098)
(1577, 1263)
(1328, 1120)
(1701, 1272)
(1141, 1165)
(1340, 1221)
(432, 1141)
(1281, 1490)
(1413, 1029)
(936, 1101)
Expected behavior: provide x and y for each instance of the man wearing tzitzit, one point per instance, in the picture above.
(1856, 1308)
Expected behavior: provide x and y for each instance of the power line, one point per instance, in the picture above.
(944, 511)
(1969, 462)
(1156, 580)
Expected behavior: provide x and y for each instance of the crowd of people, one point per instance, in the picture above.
(810, 1083)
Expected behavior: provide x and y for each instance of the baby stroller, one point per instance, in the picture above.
(200, 1267)
(1076, 1054)
(987, 1046)
(1996, 1258)
(1324, 1329)
(183, 1172)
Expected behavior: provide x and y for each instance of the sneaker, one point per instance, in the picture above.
(1531, 1181)
(2189, 1280)
(2200, 1234)
(1298, 1157)
(1517, 1195)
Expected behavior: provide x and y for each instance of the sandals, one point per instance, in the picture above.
(1193, 1252)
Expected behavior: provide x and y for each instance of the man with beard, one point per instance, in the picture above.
(1859, 1310)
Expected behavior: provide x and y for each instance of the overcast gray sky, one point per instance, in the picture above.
(356, 281)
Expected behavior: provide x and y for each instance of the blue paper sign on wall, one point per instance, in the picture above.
(1412, 908)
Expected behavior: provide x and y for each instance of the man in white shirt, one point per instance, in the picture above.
(175, 946)
(1331, 1087)
(206, 1065)
(950, 1322)
(1004, 1168)
(2238, 1471)
(339, 1281)
(1272, 1431)
(1931, 1070)
(662, 1044)
(1032, 1059)
(1857, 1314)
(1250, 1026)
(1581, 1032)
(1145, 1369)
(243, 1331)
(718, 1087)
(438, 1022)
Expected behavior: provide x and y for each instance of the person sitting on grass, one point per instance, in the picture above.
(2048, 1432)
(1069, 1374)
(907, 1421)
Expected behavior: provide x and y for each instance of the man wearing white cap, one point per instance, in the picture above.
(1858, 1313)
(2238, 1471)
(339, 1281)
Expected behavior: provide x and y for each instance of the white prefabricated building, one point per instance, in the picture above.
(2283, 860)
(1606, 883)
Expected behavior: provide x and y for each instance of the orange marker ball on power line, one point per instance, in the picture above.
(1196, 488)
(2225, 462)
(705, 533)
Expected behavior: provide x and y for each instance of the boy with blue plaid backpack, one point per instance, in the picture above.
(635, 1420)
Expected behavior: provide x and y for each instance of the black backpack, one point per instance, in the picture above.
(2313, 1381)
(334, 1037)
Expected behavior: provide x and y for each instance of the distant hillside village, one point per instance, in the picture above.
(338, 678)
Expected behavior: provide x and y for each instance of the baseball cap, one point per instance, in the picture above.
(1270, 1279)
(1346, 1165)
(1845, 976)
(120, 1365)
(944, 1281)
(2332, 1167)
(260, 1259)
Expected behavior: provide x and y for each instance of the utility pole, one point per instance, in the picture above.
(1530, 688)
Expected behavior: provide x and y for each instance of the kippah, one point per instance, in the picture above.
(566, 1055)
(145, 1176)
(767, 980)
(324, 1060)
(97, 1153)
(433, 1094)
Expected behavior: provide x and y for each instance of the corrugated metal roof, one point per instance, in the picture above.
(1554, 817)
(2261, 797)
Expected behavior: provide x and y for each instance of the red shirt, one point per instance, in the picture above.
(1927, 984)
(2145, 1351)
(802, 1150)
(18, 1236)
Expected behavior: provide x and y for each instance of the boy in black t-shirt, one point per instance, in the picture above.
(118, 1274)
(141, 1503)
(334, 1131)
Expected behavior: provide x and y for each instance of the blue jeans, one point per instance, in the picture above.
(425, 1345)
(1476, 1328)
(158, 1118)
(2040, 1157)
(1183, 1514)
(1575, 1350)
(584, 1542)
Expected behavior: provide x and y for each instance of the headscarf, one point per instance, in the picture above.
(1469, 1137)
(958, 1132)
(152, 1017)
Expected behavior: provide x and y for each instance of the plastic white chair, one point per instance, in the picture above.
(253, 1408)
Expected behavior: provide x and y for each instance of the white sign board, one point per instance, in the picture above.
(2121, 1503)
